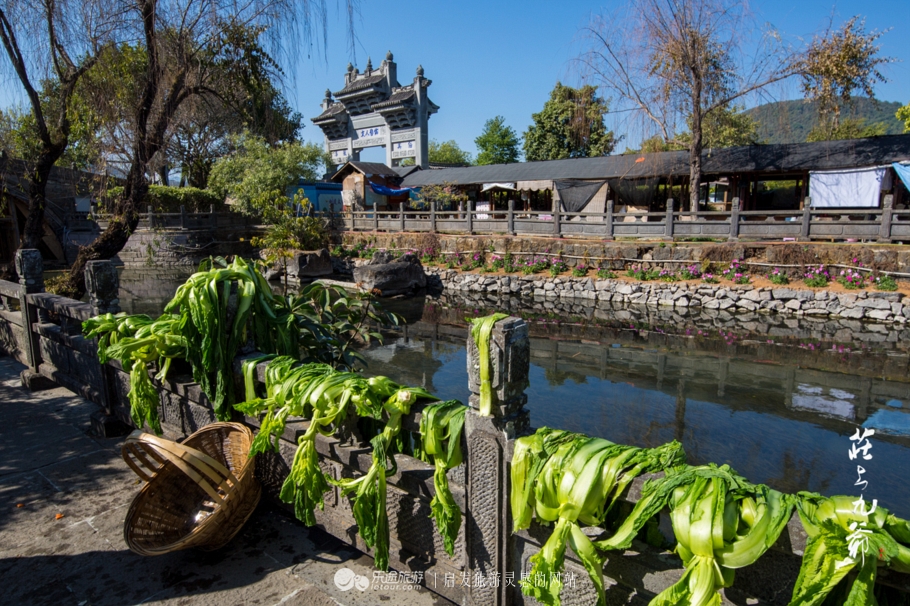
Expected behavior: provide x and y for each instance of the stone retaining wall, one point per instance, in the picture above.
(873, 306)
(168, 248)
(671, 255)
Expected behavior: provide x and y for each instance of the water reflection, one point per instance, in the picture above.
(773, 420)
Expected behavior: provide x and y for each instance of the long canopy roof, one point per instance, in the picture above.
(789, 158)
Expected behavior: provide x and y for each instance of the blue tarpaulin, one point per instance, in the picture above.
(382, 190)
(903, 171)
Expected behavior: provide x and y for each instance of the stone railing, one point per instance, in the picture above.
(874, 224)
(183, 220)
(489, 559)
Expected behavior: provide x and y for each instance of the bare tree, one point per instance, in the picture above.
(182, 41)
(674, 62)
(57, 41)
(838, 63)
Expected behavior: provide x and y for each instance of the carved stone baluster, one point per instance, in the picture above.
(490, 442)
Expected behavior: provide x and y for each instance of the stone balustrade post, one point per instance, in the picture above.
(734, 220)
(401, 217)
(375, 217)
(183, 223)
(490, 442)
(884, 234)
(609, 220)
(151, 217)
(103, 286)
(30, 267)
(511, 228)
(432, 216)
(668, 220)
(213, 218)
(556, 226)
(807, 220)
(470, 212)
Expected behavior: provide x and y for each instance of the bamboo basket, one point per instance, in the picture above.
(199, 493)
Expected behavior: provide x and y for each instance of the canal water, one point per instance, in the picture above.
(776, 398)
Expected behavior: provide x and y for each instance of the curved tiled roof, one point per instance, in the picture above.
(333, 110)
(398, 97)
(361, 84)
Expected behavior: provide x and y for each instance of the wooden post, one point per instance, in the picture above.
(884, 234)
(375, 217)
(433, 216)
(470, 216)
(511, 227)
(668, 220)
(609, 220)
(807, 220)
(734, 220)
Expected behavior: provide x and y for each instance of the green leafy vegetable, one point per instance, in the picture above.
(369, 490)
(481, 329)
(569, 479)
(834, 525)
(721, 522)
(440, 431)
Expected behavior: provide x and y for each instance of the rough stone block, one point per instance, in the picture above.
(310, 264)
(391, 278)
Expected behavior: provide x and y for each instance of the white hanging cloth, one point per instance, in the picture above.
(850, 188)
(488, 186)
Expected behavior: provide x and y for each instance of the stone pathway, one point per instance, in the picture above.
(63, 497)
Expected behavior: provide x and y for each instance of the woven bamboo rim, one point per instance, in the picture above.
(199, 493)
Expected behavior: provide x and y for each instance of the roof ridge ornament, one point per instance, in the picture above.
(420, 71)
(350, 67)
(389, 56)
(369, 66)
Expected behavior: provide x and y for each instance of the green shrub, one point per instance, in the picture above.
(885, 283)
(164, 199)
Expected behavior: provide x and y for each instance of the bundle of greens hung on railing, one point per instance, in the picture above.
(324, 397)
(572, 479)
(218, 310)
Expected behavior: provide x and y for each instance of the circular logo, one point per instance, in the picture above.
(346, 579)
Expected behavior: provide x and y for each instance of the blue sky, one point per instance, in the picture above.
(503, 58)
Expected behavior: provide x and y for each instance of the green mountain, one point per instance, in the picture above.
(791, 121)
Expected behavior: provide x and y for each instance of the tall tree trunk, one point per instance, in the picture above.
(695, 149)
(124, 221)
(37, 198)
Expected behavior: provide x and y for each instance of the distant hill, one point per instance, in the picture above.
(791, 121)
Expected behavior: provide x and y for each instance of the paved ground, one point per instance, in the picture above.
(63, 497)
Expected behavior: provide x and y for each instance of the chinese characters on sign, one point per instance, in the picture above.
(858, 539)
(369, 137)
(404, 149)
